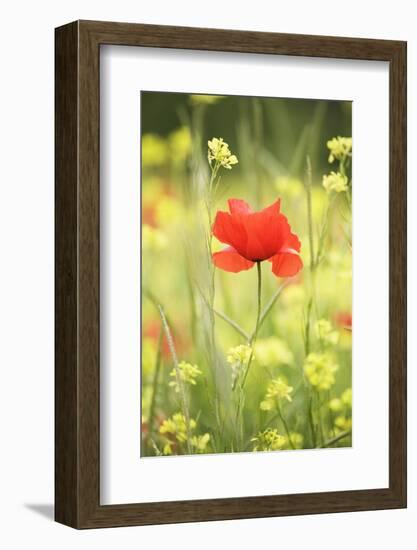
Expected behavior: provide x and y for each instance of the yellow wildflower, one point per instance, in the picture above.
(167, 450)
(277, 389)
(177, 427)
(335, 404)
(343, 423)
(200, 442)
(268, 440)
(320, 369)
(174, 430)
(219, 152)
(344, 402)
(340, 148)
(325, 332)
(187, 374)
(346, 397)
(237, 358)
(335, 181)
(239, 354)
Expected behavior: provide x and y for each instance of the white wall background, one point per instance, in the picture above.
(26, 272)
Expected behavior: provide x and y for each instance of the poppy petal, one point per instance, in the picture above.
(237, 206)
(267, 233)
(272, 208)
(294, 242)
(229, 260)
(287, 263)
(230, 230)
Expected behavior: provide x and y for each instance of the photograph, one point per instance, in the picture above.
(246, 274)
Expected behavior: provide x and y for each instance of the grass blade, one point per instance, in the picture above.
(269, 306)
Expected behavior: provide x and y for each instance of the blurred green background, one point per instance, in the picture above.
(289, 128)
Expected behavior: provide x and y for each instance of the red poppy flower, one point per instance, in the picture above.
(254, 237)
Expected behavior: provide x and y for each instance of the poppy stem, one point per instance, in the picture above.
(269, 306)
(258, 316)
(254, 336)
(252, 342)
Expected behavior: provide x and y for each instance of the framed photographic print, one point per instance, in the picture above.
(230, 274)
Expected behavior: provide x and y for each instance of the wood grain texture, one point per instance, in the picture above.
(398, 274)
(66, 304)
(78, 286)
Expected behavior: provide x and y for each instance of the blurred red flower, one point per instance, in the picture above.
(145, 429)
(254, 237)
(152, 330)
(344, 319)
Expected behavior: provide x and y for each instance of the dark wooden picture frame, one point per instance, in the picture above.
(77, 360)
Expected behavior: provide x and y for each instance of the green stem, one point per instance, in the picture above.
(178, 375)
(308, 186)
(241, 331)
(254, 336)
(198, 162)
(249, 337)
(311, 421)
(269, 306)
(212, 291)
(335, 439)
(284, 422)
(155, 381)
(324, 231)
(223, 316)
(257, 129)
(191, 297)
(307, 328)
(320, 419)
(310, 213)
(252, 343)
(233, 324)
